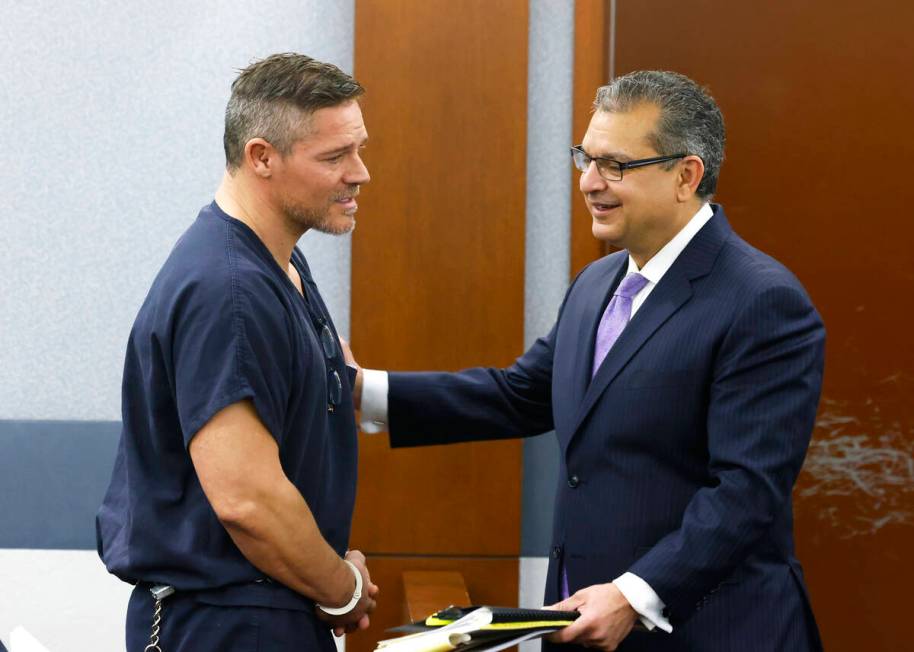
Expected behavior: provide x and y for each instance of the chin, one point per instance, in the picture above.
(340, 226)
(605, 233)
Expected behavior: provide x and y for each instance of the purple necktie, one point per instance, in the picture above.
(613, 322)
(615, 317)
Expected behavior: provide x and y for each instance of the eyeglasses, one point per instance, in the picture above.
(611, 169)
(329, 345)
(334, 382)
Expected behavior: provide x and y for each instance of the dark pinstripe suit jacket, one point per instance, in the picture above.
(678, 459)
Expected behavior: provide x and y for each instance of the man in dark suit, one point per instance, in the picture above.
(681, 378)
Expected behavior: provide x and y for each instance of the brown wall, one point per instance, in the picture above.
(592, 23)
(818, 100)
(437, 283)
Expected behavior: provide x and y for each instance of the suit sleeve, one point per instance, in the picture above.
(475, 404)
(763, 403)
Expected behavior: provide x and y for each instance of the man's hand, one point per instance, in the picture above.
(350, 360)
(606, 617)
(358, 617)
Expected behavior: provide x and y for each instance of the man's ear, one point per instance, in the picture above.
(691, 172)
(261, 157)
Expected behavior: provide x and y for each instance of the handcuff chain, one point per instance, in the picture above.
(154, 637)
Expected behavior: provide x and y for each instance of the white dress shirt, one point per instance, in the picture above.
(639, 594)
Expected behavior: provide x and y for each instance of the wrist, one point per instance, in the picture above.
(356, 594)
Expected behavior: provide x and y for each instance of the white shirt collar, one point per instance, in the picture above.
(657, 266)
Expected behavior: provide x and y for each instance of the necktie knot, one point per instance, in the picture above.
(631, 285)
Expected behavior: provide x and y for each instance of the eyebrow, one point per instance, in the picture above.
(343, 148)
(337, 150)
(617, 156)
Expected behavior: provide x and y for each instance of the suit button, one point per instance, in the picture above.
(556, 552)
(573, 481)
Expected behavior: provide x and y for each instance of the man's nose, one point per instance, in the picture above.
(358, 172)
(591, 181)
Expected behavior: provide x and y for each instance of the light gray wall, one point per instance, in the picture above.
(110, 141)
(549, 105)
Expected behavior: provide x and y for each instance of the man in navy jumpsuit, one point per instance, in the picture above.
(234, 481)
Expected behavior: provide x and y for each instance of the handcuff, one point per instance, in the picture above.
(159, 593)
(356, 596)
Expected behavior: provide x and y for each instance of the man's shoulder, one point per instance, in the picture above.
(211, 265)
(751, 271)
(741, 255)
(198, 261)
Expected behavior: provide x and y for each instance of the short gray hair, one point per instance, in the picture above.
(270, 98)
(689, 122)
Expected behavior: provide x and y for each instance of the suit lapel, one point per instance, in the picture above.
(674, 289)
(587, 326)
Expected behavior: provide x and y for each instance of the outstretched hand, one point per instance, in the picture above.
(606, 617)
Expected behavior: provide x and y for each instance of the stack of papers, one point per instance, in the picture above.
(476, 628)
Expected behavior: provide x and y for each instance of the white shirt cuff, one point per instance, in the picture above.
(644, 600)
(374, 401)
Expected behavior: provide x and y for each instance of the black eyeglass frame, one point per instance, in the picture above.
(623, 166)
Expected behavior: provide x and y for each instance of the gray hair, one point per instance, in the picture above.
(271, 97)
(690, 120)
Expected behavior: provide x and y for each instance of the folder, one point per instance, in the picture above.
(477, 628)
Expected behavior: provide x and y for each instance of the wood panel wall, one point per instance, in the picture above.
(438, 278)
(817, 99)
(592, 27)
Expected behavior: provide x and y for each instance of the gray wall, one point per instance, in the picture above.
(549, 101)
(110, 140)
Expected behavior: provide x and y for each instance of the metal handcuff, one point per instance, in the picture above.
(159, 593)
(356, 595)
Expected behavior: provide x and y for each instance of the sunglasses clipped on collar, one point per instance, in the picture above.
(334, 382)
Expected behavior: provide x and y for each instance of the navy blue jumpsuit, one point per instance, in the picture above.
(223, 323)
